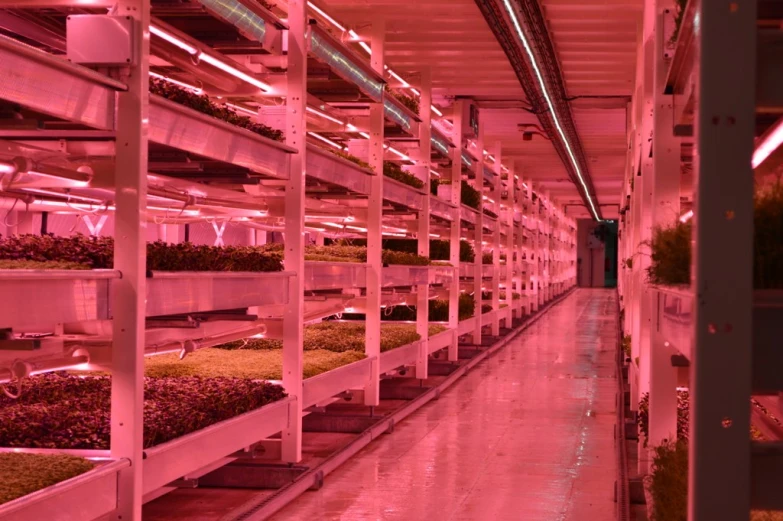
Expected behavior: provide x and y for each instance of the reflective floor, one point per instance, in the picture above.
(527, 435)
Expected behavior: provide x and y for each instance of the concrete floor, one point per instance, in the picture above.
(528, 435)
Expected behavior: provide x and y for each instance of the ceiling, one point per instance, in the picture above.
(595, 42)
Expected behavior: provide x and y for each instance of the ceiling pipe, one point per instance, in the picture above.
(531, 54)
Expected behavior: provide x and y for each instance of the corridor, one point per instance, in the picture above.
(527, 435)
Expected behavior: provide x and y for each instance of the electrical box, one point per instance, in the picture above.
(470, 120)
(100, 40)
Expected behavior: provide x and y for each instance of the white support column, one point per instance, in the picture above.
(642, 326)
(512, 254)
(127, 383)
(456, 227)
(535, 256)
(665, 209)
(422, 290)
(724, 125)
(496, 193)
(374, 222)
(478, 235)
(296, 103)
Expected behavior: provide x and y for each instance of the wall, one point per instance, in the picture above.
(594, 257)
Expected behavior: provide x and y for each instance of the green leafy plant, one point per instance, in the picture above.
(627, 345)
(670, 255)
(81, 252)
(349, 157)
(22, 474)
(202, 103)
(683, 415)
(680, 12)
(438, 310)
(671, 246)
(469, 196)
(668, 485)
(344, 252)
(394, 171)
(410, 102)
(768, 237)
(486, 257)
(439, 249)
(337, 337)
(71, 412)
(248, 363)
(40, 265)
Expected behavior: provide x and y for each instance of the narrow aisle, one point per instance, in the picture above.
(527, 435)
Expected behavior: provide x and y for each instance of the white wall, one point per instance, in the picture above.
(584, 231)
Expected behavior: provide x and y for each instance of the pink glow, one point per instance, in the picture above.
(686, 216)
(433, 172)
(326, 140)
(173, 40)
(434, 109)
(176, 82)
(768, 143)
(234, 72)
(325, 16)
(325, 115)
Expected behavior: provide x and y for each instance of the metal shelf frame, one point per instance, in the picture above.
(724, 331)
(125, 297)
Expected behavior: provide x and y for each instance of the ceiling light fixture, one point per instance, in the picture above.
(176, 82)
(202, 56)
(326, 140)
(325, 115)
(160, 33)
(768, 143)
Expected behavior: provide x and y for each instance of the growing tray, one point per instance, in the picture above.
(180, 127)
(86, 497)
(320, 388)
(400, 356)
(53, 86)
(38, 300)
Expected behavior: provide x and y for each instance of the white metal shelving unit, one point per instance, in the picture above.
(293, 187)
(723, 330)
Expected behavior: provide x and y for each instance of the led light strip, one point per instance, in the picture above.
(176, 82)
(768, 143)
(513, 15)
(202, 56)
(326, 140)
(325, 115)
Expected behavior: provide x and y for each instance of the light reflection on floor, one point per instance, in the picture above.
(527, 435)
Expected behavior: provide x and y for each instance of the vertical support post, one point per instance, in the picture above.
(296, 103)
(642, 325)
(127, 384)
(478, 235)
(513, 255)
(374, 222)
(422, 290)
(535, 255)
(456, 228)
(724, 125)
(665, 209)
(496, 193)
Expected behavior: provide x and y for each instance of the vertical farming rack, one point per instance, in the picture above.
(277, 173)
(710, 332)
